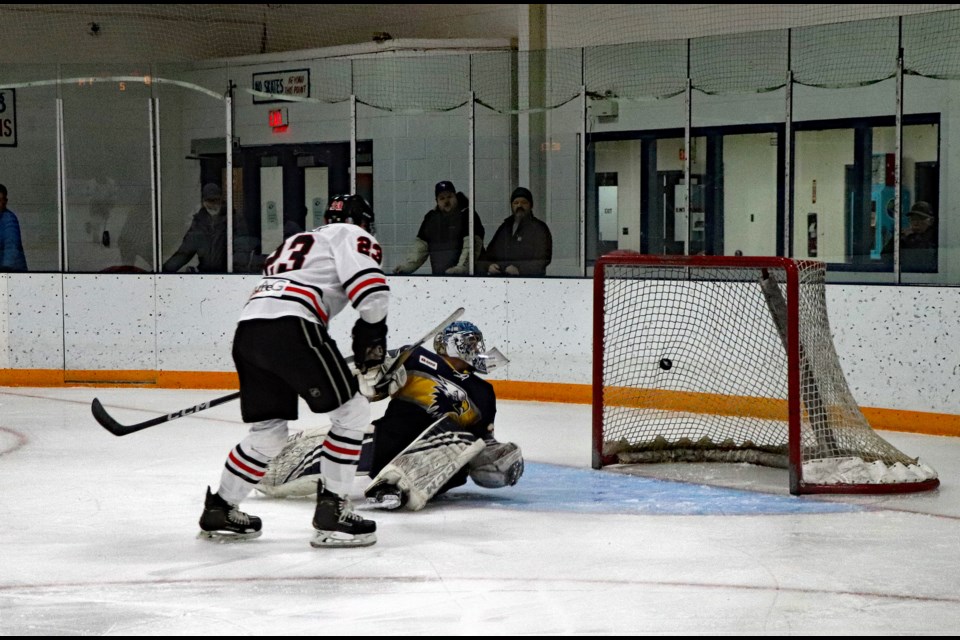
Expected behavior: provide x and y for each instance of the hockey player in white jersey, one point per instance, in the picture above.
(282, 351)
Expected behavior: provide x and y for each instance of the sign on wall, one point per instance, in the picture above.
(8, 117)
(293, 82)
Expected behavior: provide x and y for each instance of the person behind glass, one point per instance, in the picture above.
(443, 233)
(918, 242)
(522, 244)
(12, 257)
(207, 240)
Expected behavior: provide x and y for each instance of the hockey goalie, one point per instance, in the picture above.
(436, 433)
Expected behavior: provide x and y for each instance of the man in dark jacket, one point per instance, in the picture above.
(443, 235)
(207, 239)
(522, 245)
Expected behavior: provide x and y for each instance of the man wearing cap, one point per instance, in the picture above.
(443, 233)
(522, 245)
(207, 239)
(918, 242)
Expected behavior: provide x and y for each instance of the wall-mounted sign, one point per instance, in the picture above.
(294, 83)
(8, 117)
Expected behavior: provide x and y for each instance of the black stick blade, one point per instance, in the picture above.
(106, 420)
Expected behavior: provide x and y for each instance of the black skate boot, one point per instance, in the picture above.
(223, 521)
(337, 525)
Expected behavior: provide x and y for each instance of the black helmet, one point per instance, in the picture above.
(352, 209)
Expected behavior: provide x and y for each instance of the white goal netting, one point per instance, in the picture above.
(698, 364)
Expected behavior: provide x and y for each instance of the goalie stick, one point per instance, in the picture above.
(110, 424)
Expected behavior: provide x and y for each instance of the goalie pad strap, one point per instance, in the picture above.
(429, 462)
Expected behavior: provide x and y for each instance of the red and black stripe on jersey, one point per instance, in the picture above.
(363, 283)
(309, 296)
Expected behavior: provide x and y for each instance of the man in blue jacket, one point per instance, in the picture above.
(11, 246)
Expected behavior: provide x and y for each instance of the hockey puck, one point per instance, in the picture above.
(665, 364)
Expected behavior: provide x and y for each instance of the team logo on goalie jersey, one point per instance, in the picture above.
(448, 398)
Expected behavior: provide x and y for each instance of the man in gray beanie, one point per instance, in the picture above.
(523, 245)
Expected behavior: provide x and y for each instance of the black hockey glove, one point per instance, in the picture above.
(369, 344)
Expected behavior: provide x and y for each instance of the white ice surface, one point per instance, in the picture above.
(97, 537)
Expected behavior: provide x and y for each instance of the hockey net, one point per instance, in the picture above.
(731, 359)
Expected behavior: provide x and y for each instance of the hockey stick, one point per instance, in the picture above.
(110, 424)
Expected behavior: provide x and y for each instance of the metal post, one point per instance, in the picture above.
(687, 160)
(153, 106)
(788, 170)
(472, 149)
(353, 144)
(229, 212)
(582, 182)
(61, 188)
(897, 188)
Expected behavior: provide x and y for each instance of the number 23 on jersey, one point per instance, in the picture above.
(291, 256)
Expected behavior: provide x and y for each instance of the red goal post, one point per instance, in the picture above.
(731, 359)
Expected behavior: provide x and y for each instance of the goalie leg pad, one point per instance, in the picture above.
(500, 464)
(294, 472)
(420, 470)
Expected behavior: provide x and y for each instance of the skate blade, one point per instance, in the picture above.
(325, 539)
(387, 502)
(226, 536)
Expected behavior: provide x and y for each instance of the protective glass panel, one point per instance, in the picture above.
(925, 172)
(925, 252)
(746, 192)
(192, 152)
(107, 168)
(617, 197)
(554, 157)
(843, 165)
(496, 152)
(412, 154)
(28, 146)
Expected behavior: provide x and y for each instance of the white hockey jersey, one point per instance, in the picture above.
(314, 274)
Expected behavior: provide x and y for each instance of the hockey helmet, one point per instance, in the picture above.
(462, 339)
(350, 208)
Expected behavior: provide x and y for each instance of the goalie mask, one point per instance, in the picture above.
(464, 340)
(352, 209)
